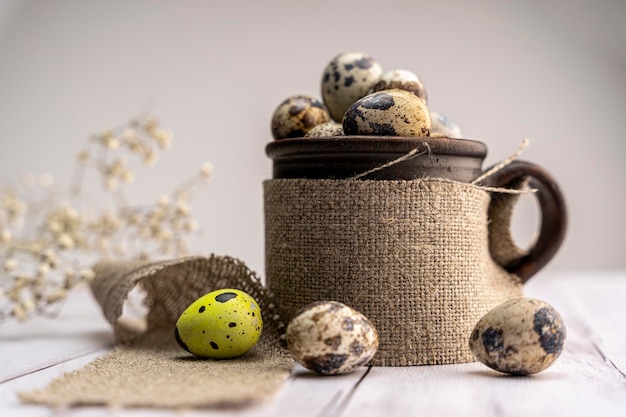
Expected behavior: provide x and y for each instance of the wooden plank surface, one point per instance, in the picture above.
(588, 379)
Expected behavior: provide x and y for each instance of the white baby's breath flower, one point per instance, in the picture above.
(191, 226)
(109, 141)
(182, 208)
(87, 274)
(110, 184)
(129, 135)
(43, 269)
(28, 305)
(6, 236)
(127, 177)
(19, 312)
(51, 258)
(149, 157)
(83, 156)
(58, 295)
(206, 170)
(9, 265)
(162, 137)
(164, 201)
(65, 241)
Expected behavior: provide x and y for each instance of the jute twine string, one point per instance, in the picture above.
(414, 153)
(502, 164)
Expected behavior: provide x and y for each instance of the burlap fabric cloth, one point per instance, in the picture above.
(150, 369)
(413, 256)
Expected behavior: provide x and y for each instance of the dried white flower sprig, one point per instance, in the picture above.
(46, 241)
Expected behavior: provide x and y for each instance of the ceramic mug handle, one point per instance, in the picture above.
(525, 264)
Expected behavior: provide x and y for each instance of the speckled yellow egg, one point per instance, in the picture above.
(521, 336)
(347, 78)
(402, 80)
(298, 114)
(388, 113)
(221, 324)
(442, 126)
(330, 338)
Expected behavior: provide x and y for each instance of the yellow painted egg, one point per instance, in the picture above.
(221, 324)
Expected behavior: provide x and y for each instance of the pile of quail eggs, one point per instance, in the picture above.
(359, 98)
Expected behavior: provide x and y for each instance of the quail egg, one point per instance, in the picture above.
(522, 336)
(327, 129)
(347, 78)
(388, 113)
(297, 115)
(402, 80)
(442, 126)
(331, 338)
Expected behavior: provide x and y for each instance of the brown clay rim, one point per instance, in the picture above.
(399, 145)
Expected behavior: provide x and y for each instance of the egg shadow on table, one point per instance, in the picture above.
(250, 356)
(492, 374)
(302, 373)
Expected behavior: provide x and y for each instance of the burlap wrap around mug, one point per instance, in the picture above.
(400, 230)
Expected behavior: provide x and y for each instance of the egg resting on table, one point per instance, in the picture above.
(347, 78)
(402, 80)
(221, 324)
(521, 336)
(297, 115)
(388, 113)
(330, 338)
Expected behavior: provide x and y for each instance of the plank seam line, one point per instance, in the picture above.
(41, 368)
(344, 402)
(592, 337)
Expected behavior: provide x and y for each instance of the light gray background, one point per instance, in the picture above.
(553, 71)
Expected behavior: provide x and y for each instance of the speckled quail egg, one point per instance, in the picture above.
(221, 324)
(442, 126)
(347, 78)
(327, 129)
(297, 115)
(402, 80)
(388, 113)
(331, 338)
(521, 336)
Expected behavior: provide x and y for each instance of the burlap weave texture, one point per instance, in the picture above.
(413, 256)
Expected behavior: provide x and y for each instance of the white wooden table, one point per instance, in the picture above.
(588, 380)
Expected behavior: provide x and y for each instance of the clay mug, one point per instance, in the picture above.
(346, 157)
